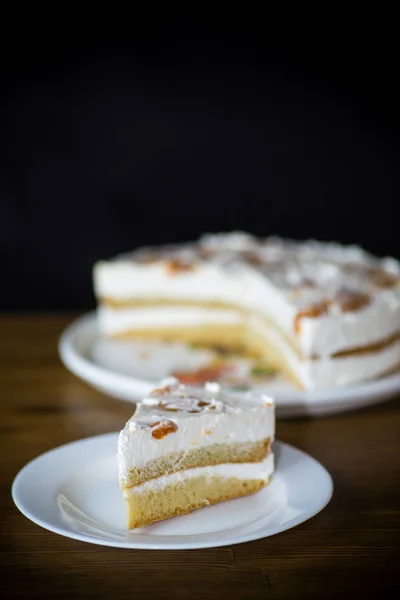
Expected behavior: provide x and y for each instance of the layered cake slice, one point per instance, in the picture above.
(324, 314)
(188, 447)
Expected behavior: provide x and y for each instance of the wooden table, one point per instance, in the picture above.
(348, 550)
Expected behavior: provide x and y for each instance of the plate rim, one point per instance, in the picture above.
(64, 531)
(83, 367)
(312, 403)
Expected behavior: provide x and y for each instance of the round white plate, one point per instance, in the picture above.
(74, 491)
(129, 370)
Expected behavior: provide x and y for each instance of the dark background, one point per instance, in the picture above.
(107, 145)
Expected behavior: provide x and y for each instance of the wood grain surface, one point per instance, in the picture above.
(349, 550)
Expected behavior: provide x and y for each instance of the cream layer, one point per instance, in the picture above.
(261, 470)
(115, 321)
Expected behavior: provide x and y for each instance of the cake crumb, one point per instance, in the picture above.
(206, 432)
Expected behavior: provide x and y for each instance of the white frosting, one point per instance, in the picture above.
(336, 332)
(231, 420)
(259, 470)
(113, 321)
(267, 289)
(125, 279)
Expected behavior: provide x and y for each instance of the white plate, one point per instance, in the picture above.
(73, 490)
(129, 370)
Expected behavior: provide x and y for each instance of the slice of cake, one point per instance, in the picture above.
(324, 314)
(187, 447)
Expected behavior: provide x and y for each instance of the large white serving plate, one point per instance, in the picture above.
(129, 370)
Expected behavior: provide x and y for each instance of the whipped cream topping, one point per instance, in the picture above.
(310, 269)
(202, 416)
(261, 470)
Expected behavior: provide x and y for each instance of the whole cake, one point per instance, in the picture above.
(324, 314)
(187, 447)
